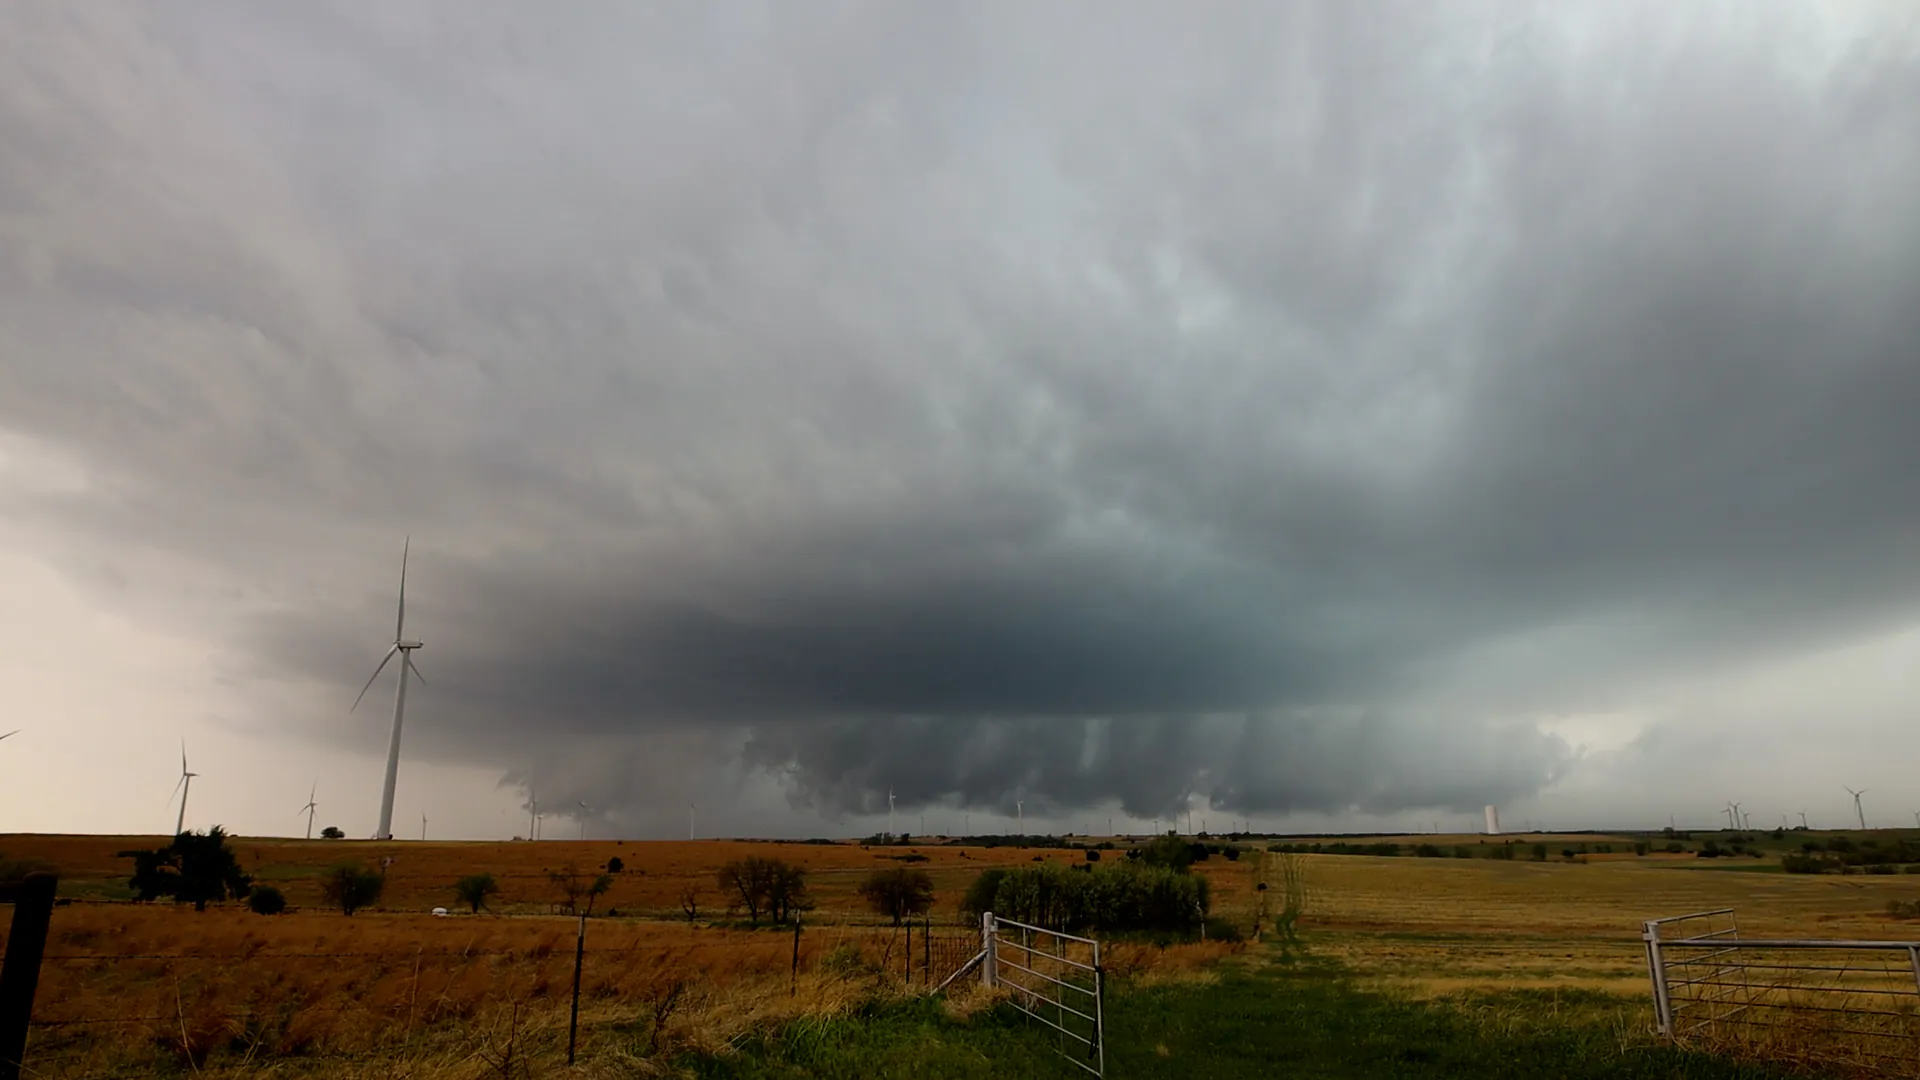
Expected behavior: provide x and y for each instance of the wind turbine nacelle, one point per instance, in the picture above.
(409, 645)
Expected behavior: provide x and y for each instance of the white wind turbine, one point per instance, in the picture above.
(583, 819)
(889, 813)
(1862, 814)
(1020, 816)
(404, 649)
(310, 808)
(185, 785)
(1803, 819)
(533, 813)
(423, 825)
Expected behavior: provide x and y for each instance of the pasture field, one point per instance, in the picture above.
(1543, 953)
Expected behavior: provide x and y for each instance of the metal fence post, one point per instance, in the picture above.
(1913, 955)
(20, 972)
(989, 971)
(909, 954)
(1657, 973)
(1099, 1009)
(579, 954)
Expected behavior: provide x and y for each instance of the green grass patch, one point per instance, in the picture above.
(1297, 1017)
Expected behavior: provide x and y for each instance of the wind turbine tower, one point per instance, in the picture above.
(423, 826)
(890, 833)
(689, 821)
(181, 789)
(402, 647)
(533, 813)
(311, 807)
(583, 819)
(1020, 815)
(1861, 814)
(1493, 820)
(1803, 819)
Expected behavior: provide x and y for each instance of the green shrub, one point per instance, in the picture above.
(266, 900)
(352, 886)
(980, 894)
(846, 962)
(1122, 898)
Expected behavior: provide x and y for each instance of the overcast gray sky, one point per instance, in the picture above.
(1326, 415)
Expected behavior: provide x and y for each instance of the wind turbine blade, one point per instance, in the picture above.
(375, 675)
(183, 757)
(176, 788)
(415, 668)
(15, 731)
(400, 622)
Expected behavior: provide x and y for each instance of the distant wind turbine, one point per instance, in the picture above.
(689, 821)
(1803, 819)
(583, 819)
(890, 833)
(1020, 815)
(423, 826)
(311, 807)
(1862, 814)
(533, 813)
(1731, 810)
(181, 789)
(403, 648)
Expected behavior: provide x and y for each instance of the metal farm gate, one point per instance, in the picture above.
(1816, 1001)
(1054, 978)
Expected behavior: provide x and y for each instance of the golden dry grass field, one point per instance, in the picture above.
(396, 990)
(130, 987)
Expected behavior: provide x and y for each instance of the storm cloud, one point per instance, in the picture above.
(1284, 407)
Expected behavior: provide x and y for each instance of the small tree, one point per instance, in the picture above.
(786, 891)
(765, 885)
(195, 868)
(474, 889)
(352, 886)
(744, 881)
(575, 886)
(898, 893)
(615, 865)
(332, 832)
(690, 900)
(266, 900)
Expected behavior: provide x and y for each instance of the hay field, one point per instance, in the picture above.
(1445, 927)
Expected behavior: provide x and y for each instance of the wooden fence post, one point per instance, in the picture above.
(20, 973)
